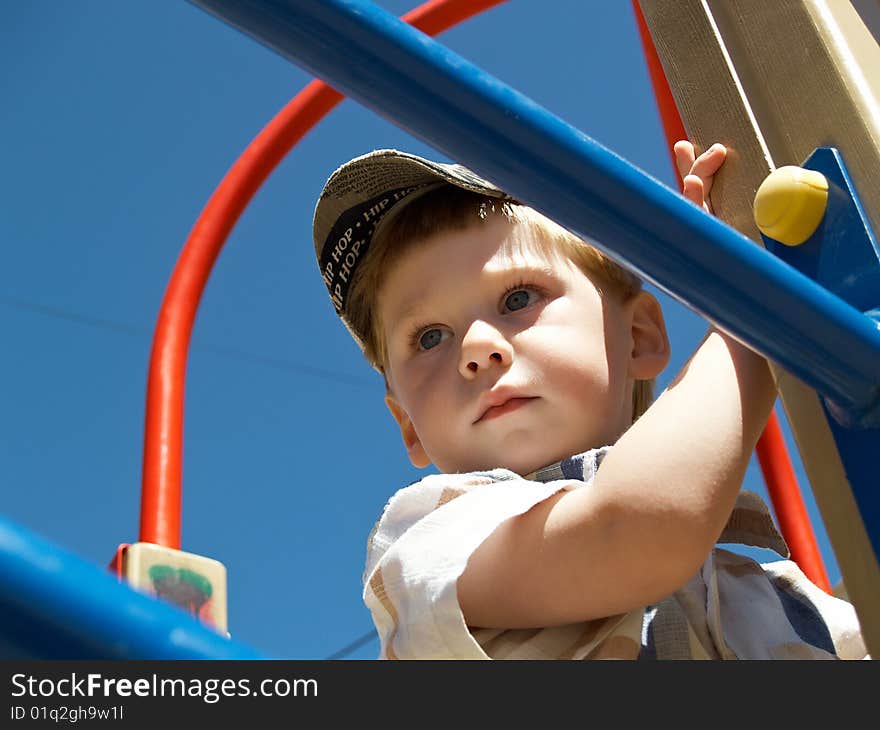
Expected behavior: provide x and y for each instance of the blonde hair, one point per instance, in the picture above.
(450, 208)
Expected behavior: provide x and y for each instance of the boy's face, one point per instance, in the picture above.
(500, 355)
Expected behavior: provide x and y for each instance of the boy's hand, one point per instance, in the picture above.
(697, 173)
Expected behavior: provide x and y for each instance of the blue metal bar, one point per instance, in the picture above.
(475, 119)
(55, 605)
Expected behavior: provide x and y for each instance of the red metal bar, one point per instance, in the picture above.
(794, 521)
(782, 486)
(163, 433)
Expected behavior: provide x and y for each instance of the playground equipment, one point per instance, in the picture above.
(822, 340)
(55, 605)
(793, 77)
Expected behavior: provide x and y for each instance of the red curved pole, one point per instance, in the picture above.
(782, 486)
(163, 433)
(794, 521)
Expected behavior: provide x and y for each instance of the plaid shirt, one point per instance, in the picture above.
(733, 608)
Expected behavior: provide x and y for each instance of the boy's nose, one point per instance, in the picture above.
(482, 347)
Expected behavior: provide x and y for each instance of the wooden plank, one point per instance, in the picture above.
(773, 81)
(809, 70)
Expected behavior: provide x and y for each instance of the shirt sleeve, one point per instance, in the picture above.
(420, 547)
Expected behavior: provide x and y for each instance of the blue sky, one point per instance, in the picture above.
(119, 120)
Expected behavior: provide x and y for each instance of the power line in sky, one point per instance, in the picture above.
(222, 351)
(354, 645)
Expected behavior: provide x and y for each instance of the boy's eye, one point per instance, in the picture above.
(431, 338)
(519, 299)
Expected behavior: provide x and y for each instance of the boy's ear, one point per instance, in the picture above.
(417, 454)
(650, 348)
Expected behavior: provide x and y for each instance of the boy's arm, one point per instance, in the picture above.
(656, 506)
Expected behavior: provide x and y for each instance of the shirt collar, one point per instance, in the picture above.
(580, 466)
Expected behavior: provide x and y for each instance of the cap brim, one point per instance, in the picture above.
(360, 194)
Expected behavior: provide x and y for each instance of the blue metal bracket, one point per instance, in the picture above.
(843, 256)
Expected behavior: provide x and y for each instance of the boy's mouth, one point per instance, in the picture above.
(504, 407)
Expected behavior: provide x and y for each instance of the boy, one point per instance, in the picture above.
(570, 520)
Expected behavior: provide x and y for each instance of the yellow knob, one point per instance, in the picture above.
(790, 204)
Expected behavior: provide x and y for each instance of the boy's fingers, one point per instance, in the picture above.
(693, 189)
(707, 164)
(698, 173)
(684, 157)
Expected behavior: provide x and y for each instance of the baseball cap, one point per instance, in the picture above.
(359, 196)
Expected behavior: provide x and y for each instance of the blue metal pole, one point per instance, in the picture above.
(55, 605)
(475, 119)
